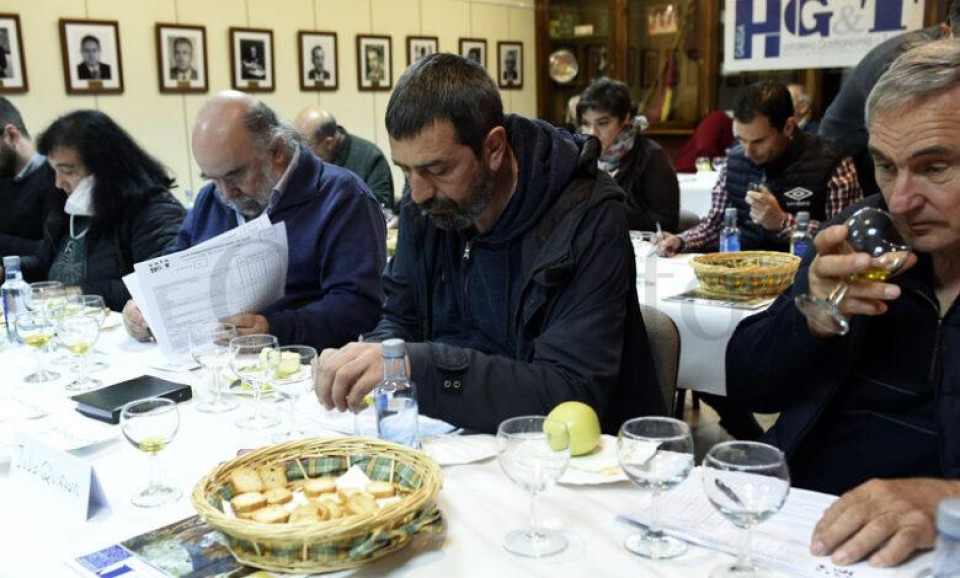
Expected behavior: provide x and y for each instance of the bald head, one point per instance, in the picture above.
(318, 129)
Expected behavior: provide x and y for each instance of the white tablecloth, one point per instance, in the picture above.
(695, 189)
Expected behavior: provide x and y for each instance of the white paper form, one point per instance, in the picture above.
(242, 271)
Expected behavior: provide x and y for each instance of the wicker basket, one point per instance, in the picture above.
(745, 272)
(334, 544)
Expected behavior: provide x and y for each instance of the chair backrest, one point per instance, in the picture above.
(665, 344)
(688, 220)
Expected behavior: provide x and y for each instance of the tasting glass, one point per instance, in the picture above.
(210, 347)
(79, 334)
(36, 330)
(150, 425)
(254, 359)
(291, 382)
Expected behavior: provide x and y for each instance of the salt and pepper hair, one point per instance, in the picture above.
(269, 129)
(923, 71)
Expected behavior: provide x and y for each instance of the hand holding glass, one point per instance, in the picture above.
(210, 347)
(253, 362)
(294, 377)
(79, 334)
(150, 425)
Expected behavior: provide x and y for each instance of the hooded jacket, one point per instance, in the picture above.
(539, 310)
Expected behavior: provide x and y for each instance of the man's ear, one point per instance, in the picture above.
(790, 127)
(11, 134)
(495, 148)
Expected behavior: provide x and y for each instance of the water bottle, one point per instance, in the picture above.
(800, 238)
(13, 291)
(730, 234)
(395, 398)
(947, 562)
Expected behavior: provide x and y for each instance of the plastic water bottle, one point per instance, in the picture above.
(13, 291)
(800, 238)
(730, 234)
(947, 562)
(395, 398)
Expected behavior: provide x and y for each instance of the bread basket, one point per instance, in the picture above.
(745, 273)
(333, 544)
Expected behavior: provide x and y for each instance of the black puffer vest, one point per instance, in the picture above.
(798, 178)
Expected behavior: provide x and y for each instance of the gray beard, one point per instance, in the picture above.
(253, 206)
(462, 217)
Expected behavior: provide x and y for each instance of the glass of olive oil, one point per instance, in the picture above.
(79, 334)
(871, 231)
(36, 330)
(150, 425)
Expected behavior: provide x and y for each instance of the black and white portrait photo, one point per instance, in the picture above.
(182, 58)
(91, 56)
(474, 49)
(374, 63)
(13, 74)
(318, 61)
(510, 57)
(251, 57)
(420, 46)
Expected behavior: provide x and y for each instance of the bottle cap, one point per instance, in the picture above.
(11, 262)
(393, 348)
(948, 518)
(803, 217)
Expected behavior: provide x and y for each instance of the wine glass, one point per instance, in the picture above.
(702, 164)
(150, 424)
(873, 232)
(91, 306)
(46, 298)
(656, 453)
(718, 163)
(254, 359)
(294, 377)
(36, 330)
(79, 334)
(534, 452)
(210, 347)
(748, 483)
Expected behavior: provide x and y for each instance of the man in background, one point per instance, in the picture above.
(182, 68)
(332, 143)
(91, 68)
(803, 108)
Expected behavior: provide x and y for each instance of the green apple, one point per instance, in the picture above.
(583, 424)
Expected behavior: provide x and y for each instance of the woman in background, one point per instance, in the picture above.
(119, 207)
(637, 163)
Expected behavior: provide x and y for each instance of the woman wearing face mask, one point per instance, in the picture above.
(119, 207)
(637, 163)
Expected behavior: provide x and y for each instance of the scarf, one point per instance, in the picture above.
(610, 159)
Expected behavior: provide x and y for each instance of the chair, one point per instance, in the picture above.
(688, 220)
(664, 341)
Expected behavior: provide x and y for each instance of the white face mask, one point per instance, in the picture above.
(80, 201)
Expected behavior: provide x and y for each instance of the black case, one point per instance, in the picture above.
(105, 404)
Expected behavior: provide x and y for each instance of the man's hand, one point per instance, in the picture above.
(346, 375)
(134, 322)
(765, 210)
(834, 265)
(248, 323)
(886, 520)
(669, 245)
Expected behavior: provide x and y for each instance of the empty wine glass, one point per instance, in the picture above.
(79, 334)
(210, 347)
(873, 232)
(534, 452)
(747, 482)
(718, 163)
(36, 330)
(294, 377)
(46, 298)
(656, 453)
(150, 424)
(254, 359)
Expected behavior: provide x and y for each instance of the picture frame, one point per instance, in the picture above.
(374, 63)
(181, 58)
(474, 49)
(92, 62)
(319, 61)
(251, 60)
(13, 70)
(420, 46)
(662, 20)
(510, 65)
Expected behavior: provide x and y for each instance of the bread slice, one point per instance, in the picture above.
(276, 496)
(274, 476)
(248, 502)
(306, 514)
(380, 489)
(334, 511)
(315, 487)
(362, 503)
(271, 515)
(245, 480)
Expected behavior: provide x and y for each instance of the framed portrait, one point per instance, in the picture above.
(13, 73)
(420, 46)
(319, 64)
(251, 59)
(662, 20)
(91, 56)
(181, 58)
(474, 49)
(374, 63)
(510, 59)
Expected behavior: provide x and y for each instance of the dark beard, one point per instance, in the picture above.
(456, 217)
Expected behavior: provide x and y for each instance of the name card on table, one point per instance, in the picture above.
(54, 479)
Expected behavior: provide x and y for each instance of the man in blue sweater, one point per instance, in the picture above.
(335, 228)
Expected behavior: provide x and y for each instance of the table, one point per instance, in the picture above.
(695, 191)
(479, 504)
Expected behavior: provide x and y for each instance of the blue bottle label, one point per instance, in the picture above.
(729, 243)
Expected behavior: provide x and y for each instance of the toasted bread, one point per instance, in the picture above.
(362, 503)
(274, 476)
(317, 486)
(271, 515)
(245, 480)
(248, 502)
(276, 496)
(380, 489)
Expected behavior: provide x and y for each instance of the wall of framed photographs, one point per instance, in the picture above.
(157, 104)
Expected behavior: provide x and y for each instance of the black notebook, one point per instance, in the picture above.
(105, 404)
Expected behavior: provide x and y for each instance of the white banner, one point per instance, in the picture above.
(787, 34)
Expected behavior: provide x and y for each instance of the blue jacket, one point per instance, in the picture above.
(336, 235)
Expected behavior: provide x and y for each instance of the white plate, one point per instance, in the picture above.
(454, 450)
(599, 467)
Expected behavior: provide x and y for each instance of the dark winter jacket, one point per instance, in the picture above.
(653, 194)
(31, 205)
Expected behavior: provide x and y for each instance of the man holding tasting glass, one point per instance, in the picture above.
(873, 412)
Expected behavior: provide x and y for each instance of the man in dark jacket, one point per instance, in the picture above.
(336, 232)
(882, 401)
(30, 200)
(332, 143)
(514, 281)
